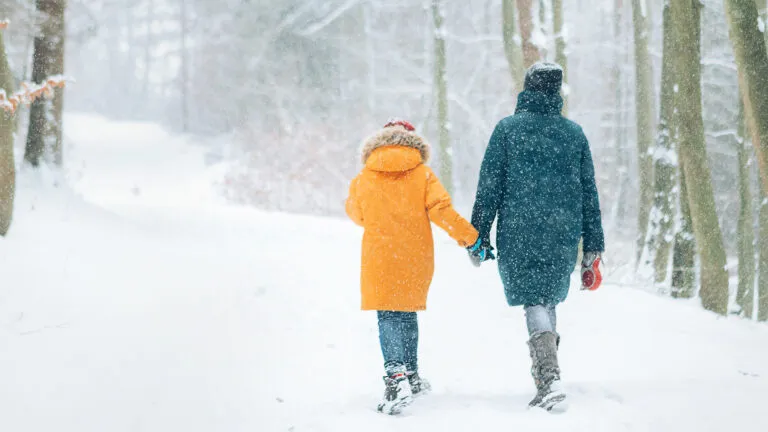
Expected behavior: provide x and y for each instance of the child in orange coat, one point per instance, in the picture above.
(394, 198)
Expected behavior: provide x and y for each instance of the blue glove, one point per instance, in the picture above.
(480, 252)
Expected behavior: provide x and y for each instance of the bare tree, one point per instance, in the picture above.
(662, 215)
(749, 46)
(184, 74)
(560, 47)
(714, 276)
(7, 163)
(745, 232)
(446, 158)
(512, 47)
(44, 138)
(525, 17)
(644, 103)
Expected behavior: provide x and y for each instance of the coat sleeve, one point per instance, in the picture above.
(353, 207)
(441, 212)
(490, 187)
(592, 225)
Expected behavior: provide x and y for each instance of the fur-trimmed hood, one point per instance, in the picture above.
(396, 136)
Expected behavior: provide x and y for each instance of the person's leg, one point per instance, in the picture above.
(410, 335)
(539, 319)
(553, 317)
(542, 322)
(397, 388)
(392, 341)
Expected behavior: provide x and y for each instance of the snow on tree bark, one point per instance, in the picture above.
(44, 138)
(684, 250)
(662, 214)
(709, 240)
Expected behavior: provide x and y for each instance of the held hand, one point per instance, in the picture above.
(591, 278)
(480, 252)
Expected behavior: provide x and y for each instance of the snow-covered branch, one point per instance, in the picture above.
(30, 93)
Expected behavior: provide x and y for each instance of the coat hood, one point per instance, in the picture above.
(394, 159)
(396, 136)
(539, 102)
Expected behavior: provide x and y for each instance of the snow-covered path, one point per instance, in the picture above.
(142, 303)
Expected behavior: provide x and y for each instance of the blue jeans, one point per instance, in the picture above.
(541, 318)
(399, 338)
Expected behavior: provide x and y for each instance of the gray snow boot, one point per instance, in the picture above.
(545, 370)
(397, 393)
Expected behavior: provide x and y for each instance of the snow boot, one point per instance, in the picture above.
(397, 394)
(545, 370)
(419, 386)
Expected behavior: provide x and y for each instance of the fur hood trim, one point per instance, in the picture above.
(395, 136)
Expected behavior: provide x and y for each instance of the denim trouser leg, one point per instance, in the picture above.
(399, 338)
(541, 318)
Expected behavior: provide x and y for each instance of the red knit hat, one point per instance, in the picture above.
(399, 122)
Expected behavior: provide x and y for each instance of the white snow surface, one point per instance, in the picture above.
(133, 299)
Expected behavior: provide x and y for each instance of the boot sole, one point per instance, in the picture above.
(552, 401)
(395, 407)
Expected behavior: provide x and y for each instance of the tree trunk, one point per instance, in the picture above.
(644, 105)
(745, 231)
(148, 45)
(714, 275)
(619, 207)
(525, 16)
(7, 163)
(512, 48)
(184, 69)
(560, 46)
(762, 274)
(749, 47)
(44, 138)
(683, 253)
(446, 159)
(662, 214)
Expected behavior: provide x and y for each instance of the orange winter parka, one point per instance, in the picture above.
(394, 199)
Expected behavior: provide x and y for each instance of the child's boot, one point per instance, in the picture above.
(397, 393)
(419, 385)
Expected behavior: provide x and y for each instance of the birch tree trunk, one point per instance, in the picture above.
(512, 48)
(44, 138)
(745, 230)
(560, 46)
(525, 16)
(749, 47)
(662, 215)
(714, 276)
(644, 105)
(7, 163)
(441, 86)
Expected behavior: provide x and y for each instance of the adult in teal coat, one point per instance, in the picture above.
(538, 179)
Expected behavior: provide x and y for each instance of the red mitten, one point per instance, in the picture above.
(590, 271)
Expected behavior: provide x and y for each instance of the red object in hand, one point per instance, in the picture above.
(590, 276)
(397, 122)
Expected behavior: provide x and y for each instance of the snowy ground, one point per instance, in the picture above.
(132, 299)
